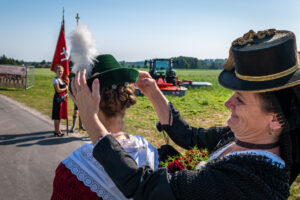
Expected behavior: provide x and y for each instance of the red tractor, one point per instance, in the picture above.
(162, 71)
(164, 74)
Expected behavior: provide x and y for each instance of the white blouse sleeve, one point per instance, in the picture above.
(55, 81)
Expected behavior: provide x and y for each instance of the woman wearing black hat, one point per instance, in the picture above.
(255, 157)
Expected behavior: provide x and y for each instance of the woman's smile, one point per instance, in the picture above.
(246, 112)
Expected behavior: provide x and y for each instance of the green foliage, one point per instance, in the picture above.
(189, 160)
(10, 61)
(169, 160)
(295, 189)
(183, 62)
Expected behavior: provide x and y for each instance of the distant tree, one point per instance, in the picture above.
(9, 61)
(123, 63)
(3, 59)
(199, 66)
(186, 64)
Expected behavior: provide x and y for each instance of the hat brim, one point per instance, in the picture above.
(115, 76)
(229, 80)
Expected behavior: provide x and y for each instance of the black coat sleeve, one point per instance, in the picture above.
(188, 137)
(221, 180)
(132, 181)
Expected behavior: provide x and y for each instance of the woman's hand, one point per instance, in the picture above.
(146, 84)
(148, 87)
(67, 80)
(88, 105)
(86, 101)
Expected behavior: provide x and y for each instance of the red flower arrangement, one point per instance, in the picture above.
(188, 161)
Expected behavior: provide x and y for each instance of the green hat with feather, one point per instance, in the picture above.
(104, 67)
(109, 72)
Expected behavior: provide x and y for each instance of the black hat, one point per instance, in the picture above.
(261, 62)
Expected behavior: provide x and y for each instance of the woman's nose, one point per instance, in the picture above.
(228, 102)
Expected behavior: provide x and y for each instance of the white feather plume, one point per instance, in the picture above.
(83, 51)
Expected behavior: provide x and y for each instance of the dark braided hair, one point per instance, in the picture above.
(286, 104)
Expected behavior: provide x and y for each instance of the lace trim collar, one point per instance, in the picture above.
(271, 156)
(88, 170)
(88, 180)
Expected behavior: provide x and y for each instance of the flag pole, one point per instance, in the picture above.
(63, 19)
(63, 27)
(79, 121)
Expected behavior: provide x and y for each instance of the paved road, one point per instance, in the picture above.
(29, 152)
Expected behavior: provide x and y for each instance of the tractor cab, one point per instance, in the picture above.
(165, 76)
(162, 68)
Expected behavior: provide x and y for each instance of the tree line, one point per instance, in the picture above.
(183, 62)
(4, 60)
(195, 63)
(10, 61)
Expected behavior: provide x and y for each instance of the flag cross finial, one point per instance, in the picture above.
(77, 18)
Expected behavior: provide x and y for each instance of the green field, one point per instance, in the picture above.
(200, 107)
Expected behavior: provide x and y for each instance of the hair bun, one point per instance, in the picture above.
(116, 101)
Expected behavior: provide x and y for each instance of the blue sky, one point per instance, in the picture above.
(134, 30)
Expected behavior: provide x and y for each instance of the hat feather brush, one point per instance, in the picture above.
(83, 50)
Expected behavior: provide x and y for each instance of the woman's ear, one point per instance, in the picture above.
(274, 123)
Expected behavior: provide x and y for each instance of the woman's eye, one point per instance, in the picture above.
(239, 100)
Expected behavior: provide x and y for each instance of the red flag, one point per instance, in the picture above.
(63, 113)
(60, 55)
